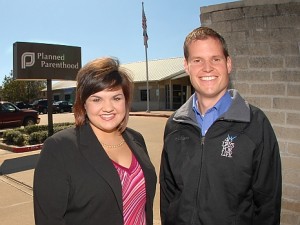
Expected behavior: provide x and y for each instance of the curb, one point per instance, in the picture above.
(21, 149)
(149, 114)
(166, 114)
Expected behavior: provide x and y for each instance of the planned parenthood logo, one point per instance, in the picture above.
(27, 59)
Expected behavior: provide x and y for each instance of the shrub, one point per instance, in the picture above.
(37, 137)
(34, 128)
(30, 135)
(14, 137)
(60, 127)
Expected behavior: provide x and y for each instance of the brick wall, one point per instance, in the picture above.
(263, 37)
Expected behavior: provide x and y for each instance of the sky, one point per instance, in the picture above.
(100, 28)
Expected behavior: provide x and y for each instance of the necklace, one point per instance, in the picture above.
(113, 146)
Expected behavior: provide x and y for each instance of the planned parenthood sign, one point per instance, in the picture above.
(45, 61)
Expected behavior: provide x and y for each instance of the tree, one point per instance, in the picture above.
(20, 90)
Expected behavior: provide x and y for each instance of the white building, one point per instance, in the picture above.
(168, 84)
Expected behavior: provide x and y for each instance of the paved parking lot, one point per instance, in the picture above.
(16, 205)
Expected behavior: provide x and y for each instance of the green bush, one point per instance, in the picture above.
(20, 140)
(15, 137)
(60, 127)
(37, 137)
(31, 135)
(34, 128)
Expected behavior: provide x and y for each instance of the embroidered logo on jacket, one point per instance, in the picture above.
(227, 146)
(181, 138)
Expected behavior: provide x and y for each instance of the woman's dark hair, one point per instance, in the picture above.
(98, 75)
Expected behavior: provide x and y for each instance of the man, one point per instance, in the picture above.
(220, 163)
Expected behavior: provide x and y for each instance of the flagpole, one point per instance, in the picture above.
(144, 25)
(148, 108)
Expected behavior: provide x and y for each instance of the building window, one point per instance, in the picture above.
(144, 95)
(56, 98)
(68, 97)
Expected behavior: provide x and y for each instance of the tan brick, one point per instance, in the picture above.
(279, 131)
(253, 75)
(284, 21)
(286, 76)
(288, 134)
(293, 119)
(232, 78)
(281, 34)
(292, 61)
(258, 35)
(205, 19)
(294, 149)
(291, 177)
(284, 48)
(266, 62)
(260, 11)
(297, 33)
(276, 117)
(222, 27)
(282, 147)
(259, 49)
(293, 133)
(289, 217)
(240, 25)
(240, 62)
(240, 49)
(290, 205)
(256, 23)
(286, 103)
(291, 192)
(290, 163)
(262, 102)
(243, 88)
(232, 38)
(230, 14)
(268, 89)
(293, 90)
(292, 8)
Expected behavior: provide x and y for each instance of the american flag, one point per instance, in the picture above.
(144, 25)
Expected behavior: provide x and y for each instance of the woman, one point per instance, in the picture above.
(98, 172)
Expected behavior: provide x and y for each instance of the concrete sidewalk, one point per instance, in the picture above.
(16, 169)
(16, 180)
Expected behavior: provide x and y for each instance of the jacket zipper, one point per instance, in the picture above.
(202, 153)
(199, 180)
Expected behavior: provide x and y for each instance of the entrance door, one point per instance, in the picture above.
(179, 95)
(167, 94)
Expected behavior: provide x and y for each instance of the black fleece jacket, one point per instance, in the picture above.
(232, 176)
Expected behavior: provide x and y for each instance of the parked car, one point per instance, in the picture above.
(62, 106)
(40, 105)
(12, 116)
(23, 105)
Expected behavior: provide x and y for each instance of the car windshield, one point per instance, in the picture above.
(8, 107)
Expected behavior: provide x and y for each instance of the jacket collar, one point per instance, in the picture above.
(238, 111)
(137, 149)
(93, 152)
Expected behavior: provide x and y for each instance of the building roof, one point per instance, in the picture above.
(64, 84)
(159, 69)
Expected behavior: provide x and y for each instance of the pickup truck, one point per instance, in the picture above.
(12, 116)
